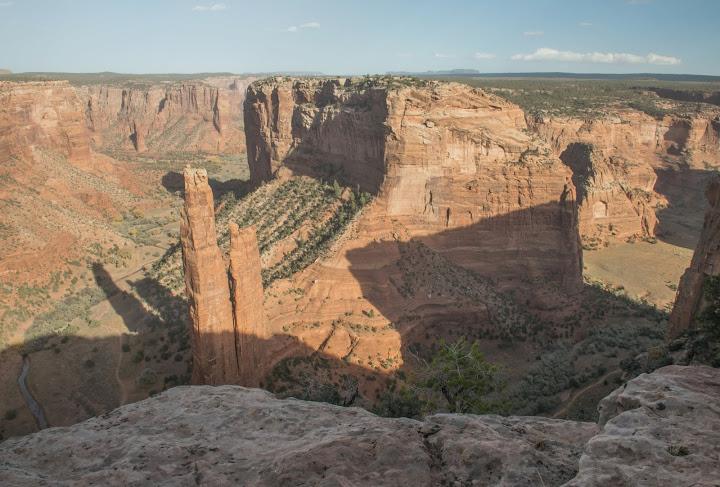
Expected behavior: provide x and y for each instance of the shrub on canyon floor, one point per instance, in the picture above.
(461, 375)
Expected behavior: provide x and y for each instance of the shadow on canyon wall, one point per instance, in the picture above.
(84, 382)
(173, 182)
(347, 146)
(491, 284)
(681, 221)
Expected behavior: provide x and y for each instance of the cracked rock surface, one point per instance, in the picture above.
(230, 435)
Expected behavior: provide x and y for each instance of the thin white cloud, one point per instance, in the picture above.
(442, 55)
(585, 24)
(484, 55)
(6, 4)
(215, 7)
(533, 33)
(548, 54)
(306, 25)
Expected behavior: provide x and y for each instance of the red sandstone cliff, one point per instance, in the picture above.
(705, 262)
(215, 359)
(201, 116)
(56, 195)
(449, 163)
(630, 149)
(227, 317)
(42, 114)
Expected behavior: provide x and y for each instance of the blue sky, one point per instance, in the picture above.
(371, 36)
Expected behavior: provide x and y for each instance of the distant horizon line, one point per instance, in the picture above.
(449, 72)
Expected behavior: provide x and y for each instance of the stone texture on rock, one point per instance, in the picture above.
(615, 195)
(230, 435)
(190, 116)
(247, 301)
(659, 429)
(213, 338)
(47, 114)
(705, 262)
(449, 163)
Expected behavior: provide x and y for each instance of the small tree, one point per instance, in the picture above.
(460, 373)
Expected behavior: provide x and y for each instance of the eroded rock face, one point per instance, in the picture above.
(705, 262)
(230, 435)
(615, 195)
(637, 153)
(214, 349)
(247, 300)
(658, 429)
(47, 114)
(226, 305)
(192, 116)
(235, 436)
(448, 162)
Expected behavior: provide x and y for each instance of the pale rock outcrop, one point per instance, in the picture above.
(659, 429)
(449, 163)
(213, 338)
(705, 262)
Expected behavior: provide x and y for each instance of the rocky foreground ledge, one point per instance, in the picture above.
(659, 429)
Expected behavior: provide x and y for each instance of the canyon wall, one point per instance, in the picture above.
(199, 116)
(690, 301)
(450, 164)
(227, 319)
(638, 164)
(45, 114)
(56, 194)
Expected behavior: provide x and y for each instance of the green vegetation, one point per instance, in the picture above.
(65, 317)
(589, 98)
(460, 373)
(702, 342)
(279, 211)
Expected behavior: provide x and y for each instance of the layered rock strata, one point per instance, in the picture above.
(615, 195)
(449, 163)
(659, 429)
(226, 307)
(705, 262)
(191, 116)
(47, 114)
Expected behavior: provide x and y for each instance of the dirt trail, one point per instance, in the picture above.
(32, 404)
(582, 391)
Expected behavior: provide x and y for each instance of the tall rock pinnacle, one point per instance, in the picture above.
(226, 311)
(247, 299)
(215, 358)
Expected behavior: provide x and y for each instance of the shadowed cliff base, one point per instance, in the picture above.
(681, 221)
(156, 356)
